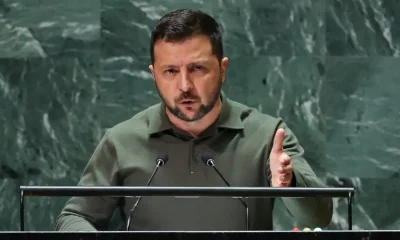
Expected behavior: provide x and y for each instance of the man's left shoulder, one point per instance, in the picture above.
(252, 118)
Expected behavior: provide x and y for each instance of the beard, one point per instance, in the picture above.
(204, 109)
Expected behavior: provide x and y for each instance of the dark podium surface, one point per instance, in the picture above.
(256, 235)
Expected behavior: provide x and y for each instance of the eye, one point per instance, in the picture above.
(198, 68)
(170, 71)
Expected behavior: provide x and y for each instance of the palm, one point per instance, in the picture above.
(274, 166)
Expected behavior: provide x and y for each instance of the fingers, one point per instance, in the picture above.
(278, 141)
(285, 177)
(283, 184)
(284, 180)
(285, 164)
(284, 159)
(285, 169)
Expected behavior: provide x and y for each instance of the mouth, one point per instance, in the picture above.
(188, 103)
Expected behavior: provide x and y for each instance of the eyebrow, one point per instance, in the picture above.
(200, 62)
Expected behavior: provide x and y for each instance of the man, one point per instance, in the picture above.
(249, 148)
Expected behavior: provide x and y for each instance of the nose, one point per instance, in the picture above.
(185, 84)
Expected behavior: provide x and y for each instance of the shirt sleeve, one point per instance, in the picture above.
(312, 211)
(93, 213)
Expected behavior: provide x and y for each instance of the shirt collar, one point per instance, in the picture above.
(229, 118)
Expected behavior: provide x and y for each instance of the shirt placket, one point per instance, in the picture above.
(190, 157)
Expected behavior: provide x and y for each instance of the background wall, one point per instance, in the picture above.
(330, 68)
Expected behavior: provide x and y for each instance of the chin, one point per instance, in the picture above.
(191, 117)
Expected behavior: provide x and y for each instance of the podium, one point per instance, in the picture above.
(233, 192)
(58, 191)
(246, 235)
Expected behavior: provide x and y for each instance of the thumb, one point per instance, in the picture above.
(278, 141)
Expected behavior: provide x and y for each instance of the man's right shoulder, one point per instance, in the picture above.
(137, 124)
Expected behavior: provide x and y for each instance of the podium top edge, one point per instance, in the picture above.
(323, 189)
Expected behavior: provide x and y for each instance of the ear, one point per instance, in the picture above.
(224, 65)
(152, 70)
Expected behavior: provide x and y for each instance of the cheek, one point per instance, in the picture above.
(210, 83)
(167, 89)
(163, 83)
(205, 90)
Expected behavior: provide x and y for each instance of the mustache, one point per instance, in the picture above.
(187, 96)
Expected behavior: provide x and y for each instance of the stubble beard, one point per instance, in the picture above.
(204, 109)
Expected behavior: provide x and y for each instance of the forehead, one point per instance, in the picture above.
(183, 52)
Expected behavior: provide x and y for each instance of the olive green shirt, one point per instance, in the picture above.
(240, 141)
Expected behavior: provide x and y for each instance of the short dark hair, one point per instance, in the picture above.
(181, 24)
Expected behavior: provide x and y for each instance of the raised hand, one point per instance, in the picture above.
(280, 163)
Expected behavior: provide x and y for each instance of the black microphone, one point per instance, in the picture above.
(208, 160)
(161, 160)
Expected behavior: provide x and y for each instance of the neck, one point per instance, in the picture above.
(196, 127)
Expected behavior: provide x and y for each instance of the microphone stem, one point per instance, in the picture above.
(154, 173)
(241, 199)
(226, 182)
(140, 197)
(247, 218)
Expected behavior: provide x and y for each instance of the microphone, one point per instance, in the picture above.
(208, 160)
(161, 160)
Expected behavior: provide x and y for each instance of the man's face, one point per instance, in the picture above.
(188, 76)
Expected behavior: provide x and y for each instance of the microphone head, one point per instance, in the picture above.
(207, 159)
(162, 158)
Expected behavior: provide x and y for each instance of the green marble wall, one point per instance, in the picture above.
(330, 68)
